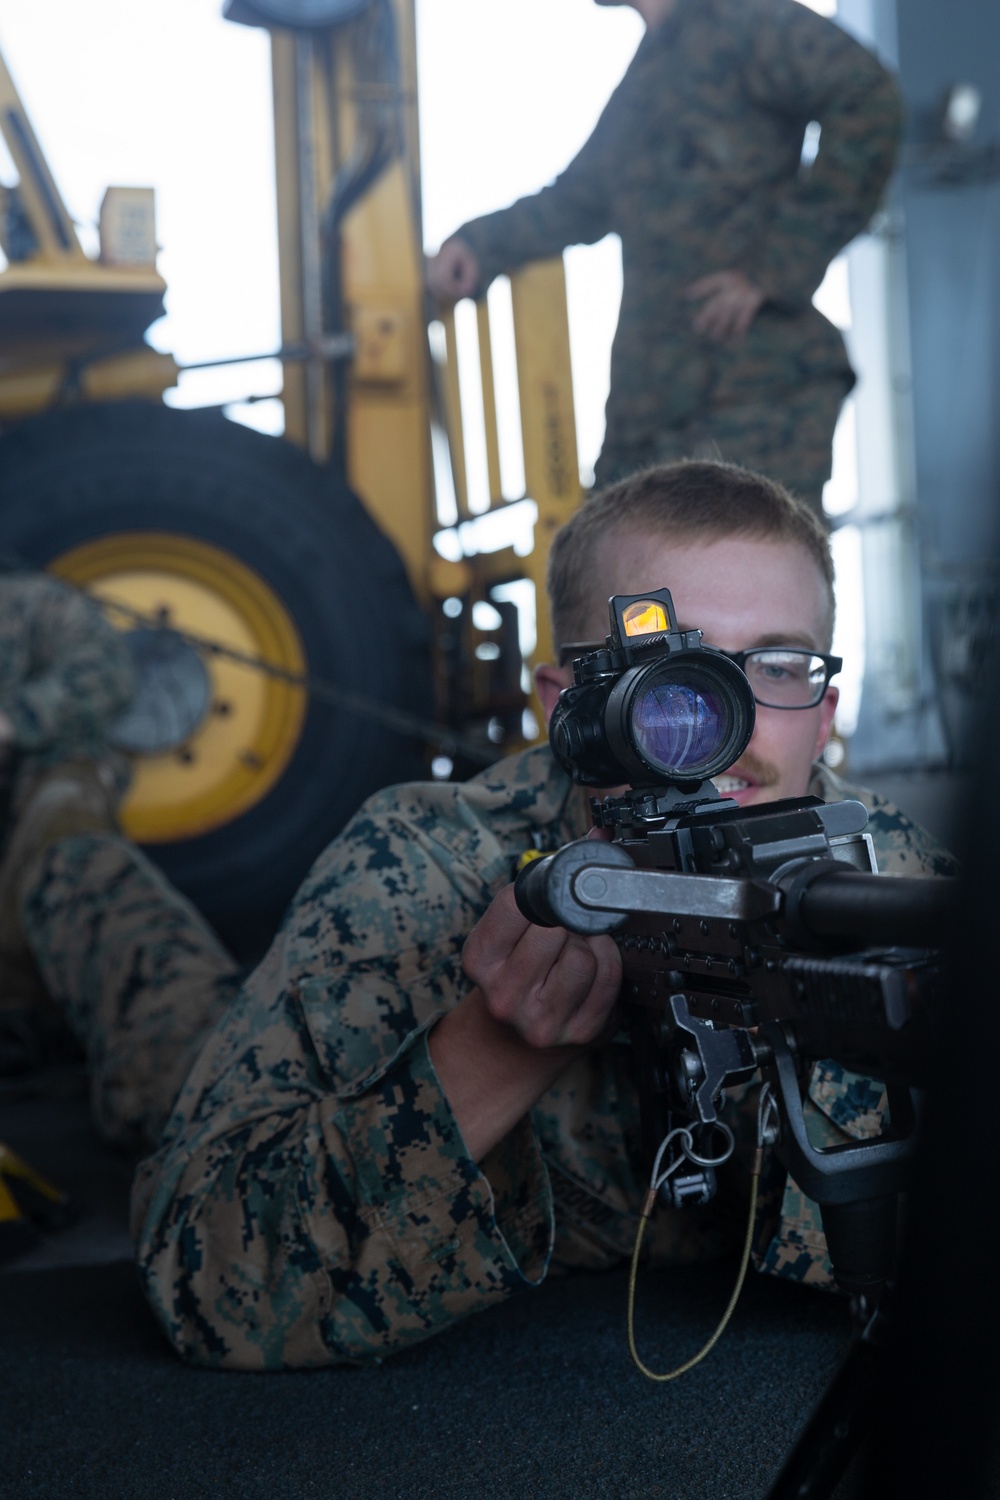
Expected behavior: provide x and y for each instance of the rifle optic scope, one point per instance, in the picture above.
(654, 706)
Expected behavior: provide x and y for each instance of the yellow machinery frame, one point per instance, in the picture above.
(391, 397)
(70, 327)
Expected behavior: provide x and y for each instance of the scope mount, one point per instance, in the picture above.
(645, 805)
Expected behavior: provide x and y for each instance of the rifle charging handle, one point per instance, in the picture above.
(545, 889)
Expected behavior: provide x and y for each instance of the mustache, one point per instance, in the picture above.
(754, 768)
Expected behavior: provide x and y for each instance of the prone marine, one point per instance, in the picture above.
(412, 1109)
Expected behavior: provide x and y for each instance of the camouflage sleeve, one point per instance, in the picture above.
(804, 66)
(573, 210)
(902, 847)
(80, 671)
(312, 1201)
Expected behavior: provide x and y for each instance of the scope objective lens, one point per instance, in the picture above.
(686, 717)
(678, 728)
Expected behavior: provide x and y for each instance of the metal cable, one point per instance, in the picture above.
(318, 688)
(657, 1179)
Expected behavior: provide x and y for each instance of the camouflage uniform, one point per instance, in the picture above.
(64, 673)
(695, 163)
(311, 1200)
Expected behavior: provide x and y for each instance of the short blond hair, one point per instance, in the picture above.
(681, 502)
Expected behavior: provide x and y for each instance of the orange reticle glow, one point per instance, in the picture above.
(645, 617)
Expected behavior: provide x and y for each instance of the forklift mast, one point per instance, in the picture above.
(351, 262)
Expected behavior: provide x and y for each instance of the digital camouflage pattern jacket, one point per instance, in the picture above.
(312, 1200)
(695, 163)
(64, 672)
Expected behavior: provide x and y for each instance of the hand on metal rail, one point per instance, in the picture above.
(454, 272)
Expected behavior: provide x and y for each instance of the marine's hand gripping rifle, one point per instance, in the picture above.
(754, 940)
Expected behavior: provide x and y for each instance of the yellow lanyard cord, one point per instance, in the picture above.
(647, 1211)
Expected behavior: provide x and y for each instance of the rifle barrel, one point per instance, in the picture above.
(885, 910)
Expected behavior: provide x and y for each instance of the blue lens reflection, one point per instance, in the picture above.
(680, 728)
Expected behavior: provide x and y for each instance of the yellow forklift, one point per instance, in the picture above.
(304, 633)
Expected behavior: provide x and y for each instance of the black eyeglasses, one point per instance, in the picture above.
(787, 676)
(781, 676)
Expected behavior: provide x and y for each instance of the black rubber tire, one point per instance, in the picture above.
(76, 474)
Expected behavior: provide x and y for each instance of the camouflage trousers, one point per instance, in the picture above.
(139, 976)
(789, 438)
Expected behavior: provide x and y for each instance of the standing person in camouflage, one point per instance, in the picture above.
(696, 164)
(64, 675)
(410, 1111)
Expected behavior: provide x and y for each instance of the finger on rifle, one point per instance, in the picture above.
(588, 1021)
(537, 988)
(546, 1008)
(504, 946)
(600, 835)
(552, 986)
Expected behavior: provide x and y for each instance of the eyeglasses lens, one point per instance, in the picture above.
(786, 679)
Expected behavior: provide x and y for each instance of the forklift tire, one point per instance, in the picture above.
(193, 480)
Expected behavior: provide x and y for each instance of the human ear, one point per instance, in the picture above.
(549, 683)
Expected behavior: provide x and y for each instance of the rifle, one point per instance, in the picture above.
(755, 942)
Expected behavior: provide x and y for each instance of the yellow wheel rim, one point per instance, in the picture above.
(243, 745)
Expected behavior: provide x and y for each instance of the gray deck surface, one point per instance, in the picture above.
(537, 1398)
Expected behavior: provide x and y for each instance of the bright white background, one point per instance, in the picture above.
(165, 93)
